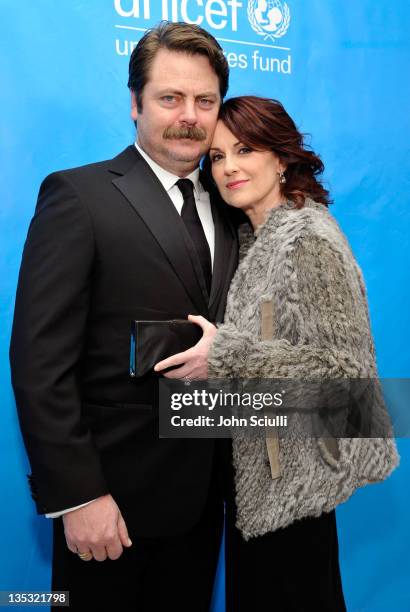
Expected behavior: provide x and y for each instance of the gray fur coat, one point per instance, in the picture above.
(301, 262)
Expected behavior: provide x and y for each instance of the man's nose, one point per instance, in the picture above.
(189, 112)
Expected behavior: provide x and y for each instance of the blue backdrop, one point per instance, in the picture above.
(341, 69)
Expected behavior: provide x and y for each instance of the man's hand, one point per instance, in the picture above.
(194, 361)
(97, 528)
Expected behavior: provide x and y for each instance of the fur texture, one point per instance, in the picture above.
(301, 261)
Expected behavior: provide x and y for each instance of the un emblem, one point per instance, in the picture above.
(269, 18)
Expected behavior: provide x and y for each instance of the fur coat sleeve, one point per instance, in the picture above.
(322, 322)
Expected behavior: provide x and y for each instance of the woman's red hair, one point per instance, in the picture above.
(264, 125)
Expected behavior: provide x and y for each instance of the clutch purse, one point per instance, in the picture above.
(152, 341)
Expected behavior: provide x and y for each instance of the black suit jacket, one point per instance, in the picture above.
(106, 246)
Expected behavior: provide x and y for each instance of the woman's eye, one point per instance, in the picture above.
(216, 157)
(245, 150)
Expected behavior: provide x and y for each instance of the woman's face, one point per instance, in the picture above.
(246, 179)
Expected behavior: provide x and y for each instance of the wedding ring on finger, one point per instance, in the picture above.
(85, 556)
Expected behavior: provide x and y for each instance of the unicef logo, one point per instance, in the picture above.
(269, 18)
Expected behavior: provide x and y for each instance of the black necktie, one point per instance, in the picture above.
(190, 217)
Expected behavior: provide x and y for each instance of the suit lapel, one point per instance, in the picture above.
(225, 257)
(140, 186)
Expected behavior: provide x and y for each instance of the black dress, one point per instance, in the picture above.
(295, 569)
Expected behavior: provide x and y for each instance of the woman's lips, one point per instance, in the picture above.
(236, 184)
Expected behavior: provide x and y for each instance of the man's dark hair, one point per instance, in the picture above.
(180, 37)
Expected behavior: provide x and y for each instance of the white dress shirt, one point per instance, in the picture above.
(203, 206)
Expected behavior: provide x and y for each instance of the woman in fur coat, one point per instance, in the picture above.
(296, 309)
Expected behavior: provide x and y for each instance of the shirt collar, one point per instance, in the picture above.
(167, 179)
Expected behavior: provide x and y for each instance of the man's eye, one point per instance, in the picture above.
(168, 98)
(206, 102)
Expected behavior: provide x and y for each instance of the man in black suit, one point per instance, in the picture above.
(108, 244)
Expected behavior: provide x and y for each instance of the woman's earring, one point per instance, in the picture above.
(282, 177)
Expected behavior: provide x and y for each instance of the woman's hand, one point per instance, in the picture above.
(194, 361)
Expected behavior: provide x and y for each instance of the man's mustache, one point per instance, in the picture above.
(192, 132)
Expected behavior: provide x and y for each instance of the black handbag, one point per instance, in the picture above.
(152, 341)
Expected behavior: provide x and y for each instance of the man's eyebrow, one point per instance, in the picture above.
(169, 90)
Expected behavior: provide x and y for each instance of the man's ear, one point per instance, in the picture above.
(134, 109)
